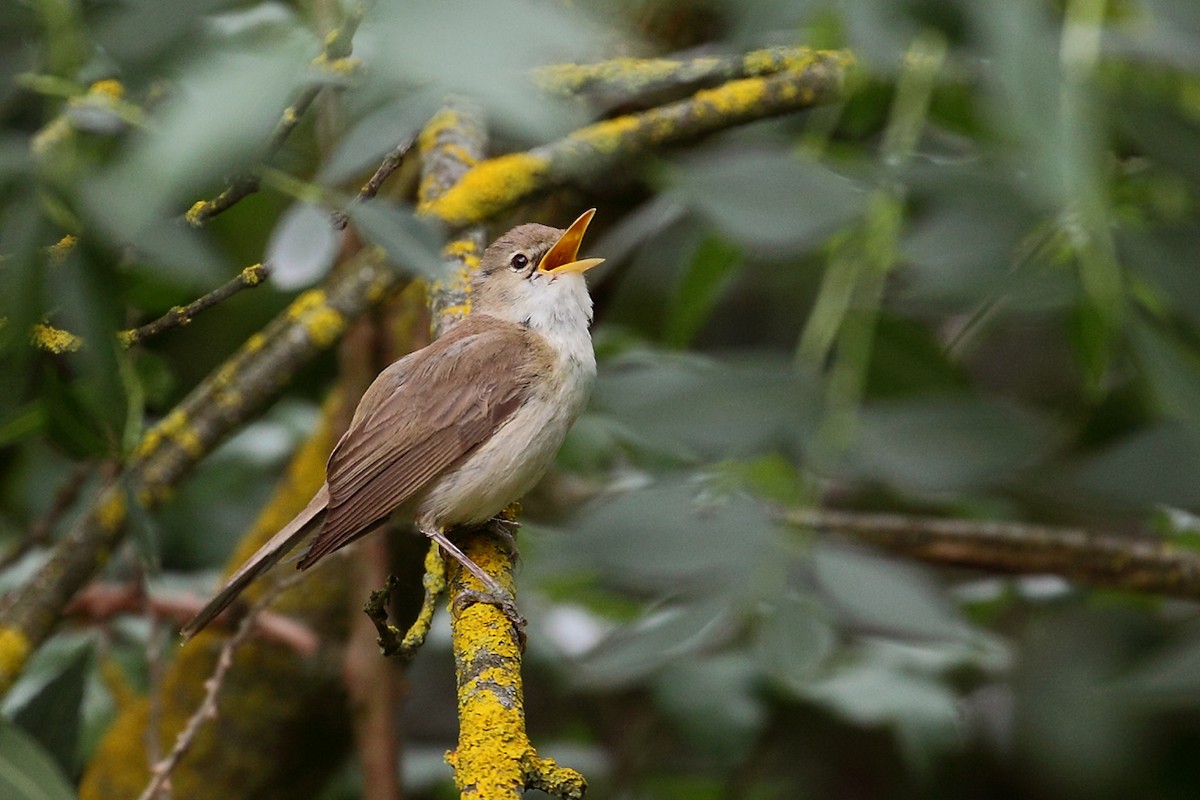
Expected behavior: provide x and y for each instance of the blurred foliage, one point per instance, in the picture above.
(968, 289)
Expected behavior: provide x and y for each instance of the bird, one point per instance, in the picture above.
(452, 433)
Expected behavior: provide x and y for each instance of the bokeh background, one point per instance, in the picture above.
(966, 289)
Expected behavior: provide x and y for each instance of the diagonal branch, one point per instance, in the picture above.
(1127, 563)
(230, 396)
(499, 183)
(248, 278)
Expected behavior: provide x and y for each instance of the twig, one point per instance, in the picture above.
(40, 533)
(1128, 563)
(100, 601)
(223, 401)
(250, 277)
(338, 45)
(391, 162)
(161, 773)
(391, 642)
(498, 183)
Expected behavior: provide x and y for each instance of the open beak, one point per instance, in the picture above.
(563, 256)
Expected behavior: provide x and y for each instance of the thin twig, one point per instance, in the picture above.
(101, 601)
(250, 277)
(207, 710)
(391, 162)
(391, 641)
(1128, 563)
(40, 533)
(338, 45)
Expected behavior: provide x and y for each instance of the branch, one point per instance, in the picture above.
(101, 601)
(338, 45)
(231, 395)
(499, 183)
(1106, 560)
(248, 278)
(494, 758)
(391, 162)
(621, 81)
(404, 645)
(452, 142)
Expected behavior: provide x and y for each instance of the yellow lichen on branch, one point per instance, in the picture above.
(272, 694)
(499, 183)
(494, 758)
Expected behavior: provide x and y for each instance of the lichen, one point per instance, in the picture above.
(14, 651)
(54, 340)
(196, 214)
(488, 187)
(109, 87)
(111, 513)
(732, 98)
(322, 322)
(609, 136)
(59, 250)
(252, 275)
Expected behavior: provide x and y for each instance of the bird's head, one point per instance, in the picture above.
(533, 275)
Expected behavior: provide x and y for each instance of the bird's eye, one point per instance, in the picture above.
(519, 261)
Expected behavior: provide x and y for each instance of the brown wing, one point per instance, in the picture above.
(420, 416)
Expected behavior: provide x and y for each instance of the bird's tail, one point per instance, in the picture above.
(266, 557)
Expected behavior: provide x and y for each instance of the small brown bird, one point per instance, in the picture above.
(453, 433)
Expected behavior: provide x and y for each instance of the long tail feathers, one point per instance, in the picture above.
(267, 556)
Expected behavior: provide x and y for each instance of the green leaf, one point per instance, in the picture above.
(767, 199)
(673, 535)
(793, 640)
(52, 715)
(884, 595)
(661, 636)
(704, 279)
(302, 247)
(27, 772)
(707, 408)
(933, 445)
(715, 703)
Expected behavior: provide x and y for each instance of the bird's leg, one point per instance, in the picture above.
(495, 594)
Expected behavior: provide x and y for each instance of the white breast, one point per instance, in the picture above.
(508, 464)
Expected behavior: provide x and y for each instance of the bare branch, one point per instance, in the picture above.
(1111, 561)
(391, 162)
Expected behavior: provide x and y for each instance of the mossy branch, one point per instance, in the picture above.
(1110, 561)
(644, 81)
(453, 142)
(273, 694)
(499, 183)
(494, 758)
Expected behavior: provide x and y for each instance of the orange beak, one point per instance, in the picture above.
(563, 256)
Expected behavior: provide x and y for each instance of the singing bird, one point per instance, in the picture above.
(451, 434)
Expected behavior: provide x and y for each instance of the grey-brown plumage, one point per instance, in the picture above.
(454, 432)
